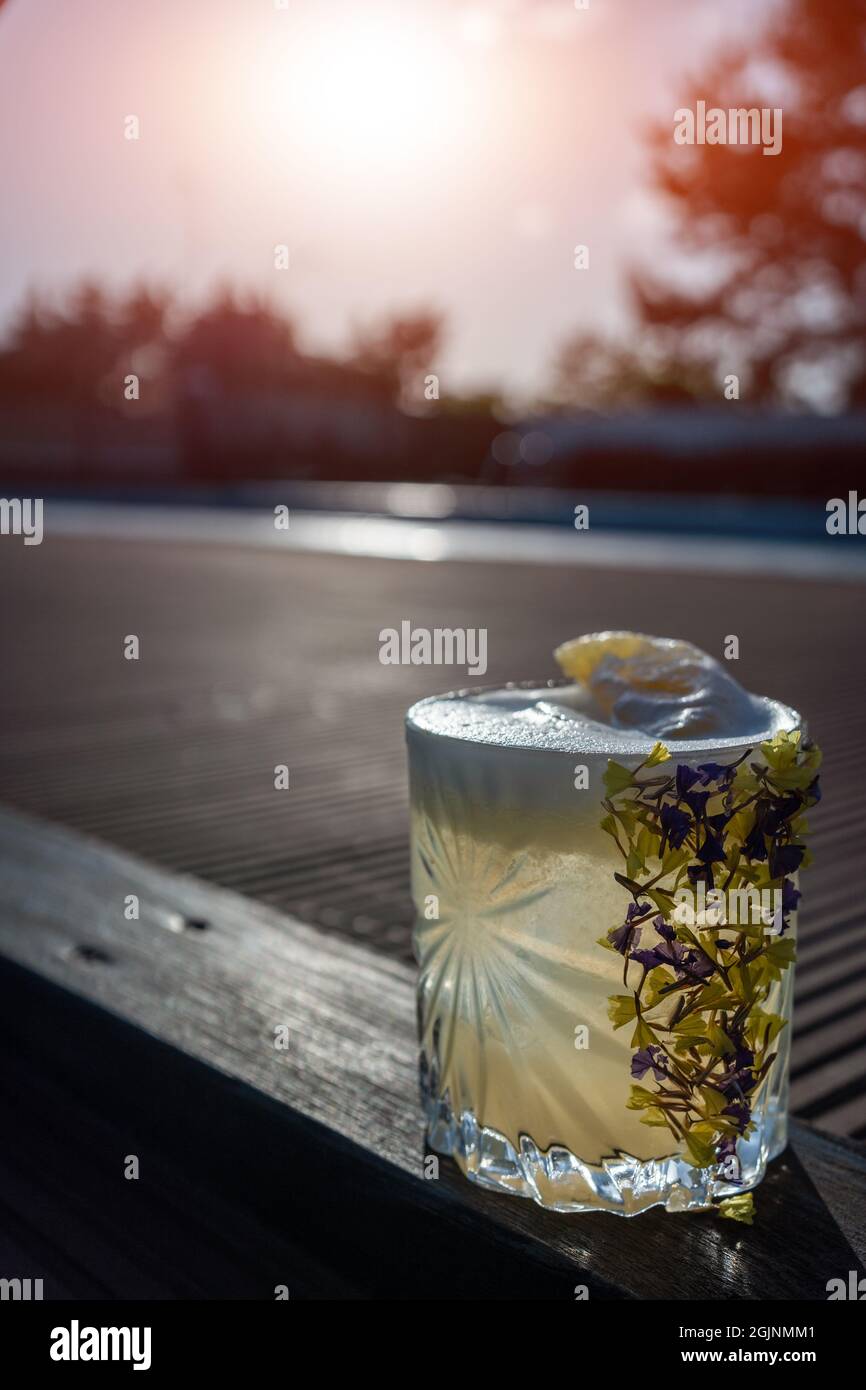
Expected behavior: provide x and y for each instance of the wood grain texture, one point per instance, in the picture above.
(156, 1037)
(252, 658)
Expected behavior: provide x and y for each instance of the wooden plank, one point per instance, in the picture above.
(166, 1026)
(161, 1236)
(842, 1000)
(842, 1117)
(845, 1071)
(821, 1044)
(844, 965)
(253, 658)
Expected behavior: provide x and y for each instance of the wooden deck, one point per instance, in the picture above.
(302, 1166)
(251, 657)
(262, 908)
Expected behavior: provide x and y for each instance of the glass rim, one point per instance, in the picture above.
(599, 740)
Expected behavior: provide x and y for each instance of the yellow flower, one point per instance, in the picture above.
(740, 1208)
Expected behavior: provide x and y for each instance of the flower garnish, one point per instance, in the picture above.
(675, 824)
(703, 1036)
(740, 1208)
(648, 1059)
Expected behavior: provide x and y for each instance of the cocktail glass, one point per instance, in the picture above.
(534, 1079)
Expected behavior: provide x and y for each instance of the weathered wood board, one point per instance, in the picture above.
(156, 1038)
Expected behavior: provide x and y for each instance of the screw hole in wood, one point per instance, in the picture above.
(93, 955)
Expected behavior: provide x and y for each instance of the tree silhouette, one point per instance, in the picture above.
(780, 239)
(240, 344)
(398, 350)
(61, 354)
(591, 372)
(79, 352)
(142, 317)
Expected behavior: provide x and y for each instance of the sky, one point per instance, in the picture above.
(406, 153)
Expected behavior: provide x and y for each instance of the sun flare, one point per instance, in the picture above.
(377, 89)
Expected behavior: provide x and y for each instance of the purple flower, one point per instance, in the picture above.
(664, 928)
(738, 1080)
(666, 953)
(744, 1057)
(648, 1059)
(622, 938)
(686, 778)
(697, 803)
(785, 859)
(780, 810)
(754, 846)
(650, 957)
(715, 772)
(683, 959)
(727, 1149)
(711, 851)
(790, 897)
(699, 963)
(740, 1114)
(701, 873)
(675, 825)
(814, 790)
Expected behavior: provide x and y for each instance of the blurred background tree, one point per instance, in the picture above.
(779, 241)
(241, 344)
(591, 372)
(766, 278)
(78, 351)
(399, 351)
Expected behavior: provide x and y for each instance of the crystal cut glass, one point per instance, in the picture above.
(527, 1082)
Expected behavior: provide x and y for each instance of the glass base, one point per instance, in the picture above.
(556, 1179)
